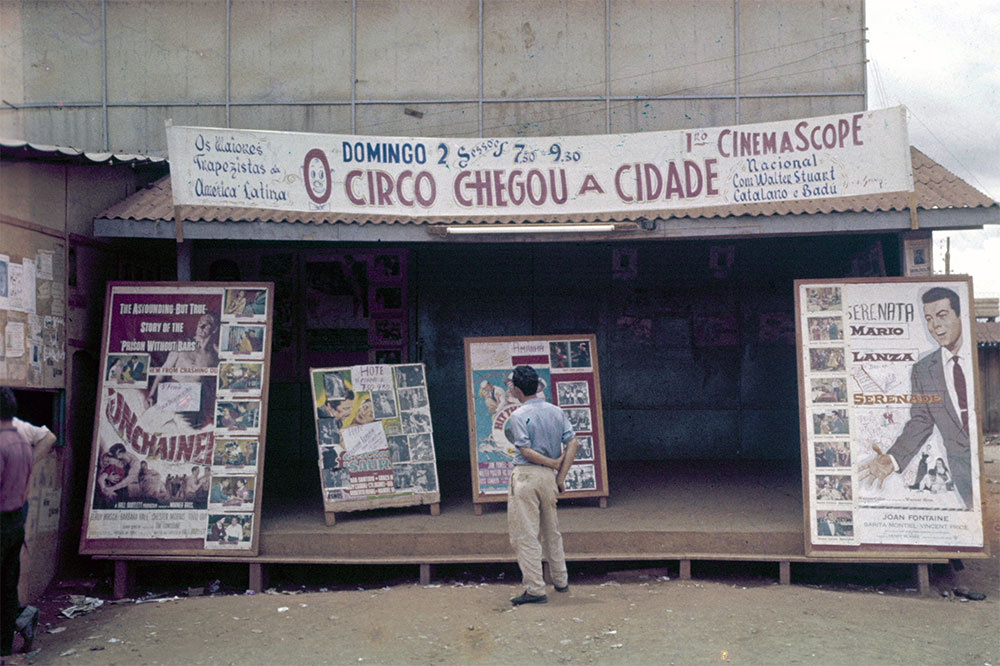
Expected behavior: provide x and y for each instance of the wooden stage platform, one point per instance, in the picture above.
(670, 511)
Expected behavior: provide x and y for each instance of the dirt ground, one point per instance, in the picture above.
(613, 614)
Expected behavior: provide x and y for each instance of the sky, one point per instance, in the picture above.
(941, 60)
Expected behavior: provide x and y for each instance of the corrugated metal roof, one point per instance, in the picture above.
(17, 149)
(986, 307)
(988, 333)
(935, 187)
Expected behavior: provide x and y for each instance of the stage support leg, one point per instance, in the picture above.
(478, 508)
(425, 574)
(923, 579)
(546, 573)
(785, 573)
(123, 579)
(257, 577)
(331, 518)
(436, 509)
(685, 570)
(603, 502)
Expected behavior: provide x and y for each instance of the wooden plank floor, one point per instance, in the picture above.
(655, 510)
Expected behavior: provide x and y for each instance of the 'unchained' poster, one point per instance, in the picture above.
(889, 400)
(179, 419)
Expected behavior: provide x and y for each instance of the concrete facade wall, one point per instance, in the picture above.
(62, 198)
(559, 67)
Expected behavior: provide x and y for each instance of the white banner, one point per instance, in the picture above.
(526, 177)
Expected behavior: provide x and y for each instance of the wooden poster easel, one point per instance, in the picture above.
(374, 435)
(567, 368)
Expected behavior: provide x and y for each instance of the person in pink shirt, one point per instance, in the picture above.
(15, 471)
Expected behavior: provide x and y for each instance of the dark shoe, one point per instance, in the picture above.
(26, 625)
(564, 588)
(529, 599)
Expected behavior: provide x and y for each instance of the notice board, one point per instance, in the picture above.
(568, 378)
(178, 451)
(375, 438)
(32, 307)
(889, 417)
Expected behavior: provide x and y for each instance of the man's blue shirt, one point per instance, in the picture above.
(541, 426)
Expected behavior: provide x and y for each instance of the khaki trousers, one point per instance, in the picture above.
(533, 526)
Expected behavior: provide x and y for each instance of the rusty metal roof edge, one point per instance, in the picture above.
(987, 333)
(42, 151)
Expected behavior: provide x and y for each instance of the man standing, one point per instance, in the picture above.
(539, 430)
(947, 373)
(15, 470)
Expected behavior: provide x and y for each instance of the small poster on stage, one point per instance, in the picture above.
(568, 378)
(179, 430)
(374, 435)
(891, 445)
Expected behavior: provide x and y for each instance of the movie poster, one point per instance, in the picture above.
(374, 434)
(567, 372)
(180, 418)
(892, 451)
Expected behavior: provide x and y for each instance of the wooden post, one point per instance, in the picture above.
(123, 579)
(178, 224)
(785, 572)
(436, 509)
(603, 502)
(685, 573)
(257, 578)
(425, 575)
(923, 579)
(546, 573)
(478, 508)
(330, 517)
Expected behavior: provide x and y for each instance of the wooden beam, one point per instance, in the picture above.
(123, 579)
(923, 579)
(685, 573)
(179, 224)
(257, 577)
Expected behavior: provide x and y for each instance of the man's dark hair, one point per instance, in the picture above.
(115, 448)
(8, 404)
(941, 293)
(526, 379)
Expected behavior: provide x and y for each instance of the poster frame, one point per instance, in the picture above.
(597, 433)
(864, 551)
(181, 547)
